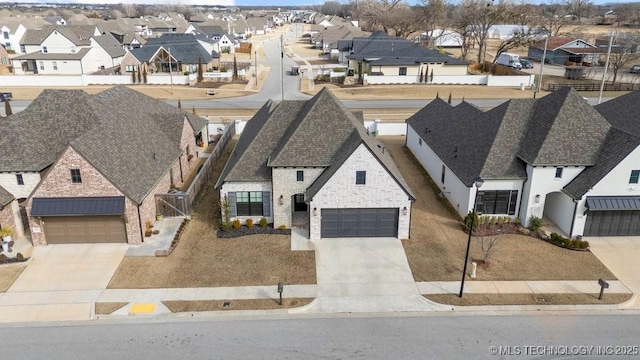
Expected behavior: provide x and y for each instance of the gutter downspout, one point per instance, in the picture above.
(522, 197)
(573, 219)
(140, 224)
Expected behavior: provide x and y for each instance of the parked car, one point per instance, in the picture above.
(635, 69)
(5, 95)
(526, 64)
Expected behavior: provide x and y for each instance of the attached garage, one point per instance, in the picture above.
(613, 216)
(359, 223)
(81, 220)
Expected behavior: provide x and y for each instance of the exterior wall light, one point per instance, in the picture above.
(315, 211)
(281, 200)
(404, 211)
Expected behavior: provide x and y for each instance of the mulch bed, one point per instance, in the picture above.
(243, 231)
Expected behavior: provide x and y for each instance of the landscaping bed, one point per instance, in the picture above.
(254, 230)
(9, 274)
(221, 305)
(436, 249)
(201, 259)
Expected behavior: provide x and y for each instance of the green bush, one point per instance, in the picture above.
(535, 224)
(338, 70)
(19, 257)
(555, 237)
(282, 227)
(584, 244)
(223, 69)
(517, 220)
(575, 244)
(566, 242)
(263, 222)
(476, 220)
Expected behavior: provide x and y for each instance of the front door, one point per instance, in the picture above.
(298, 203)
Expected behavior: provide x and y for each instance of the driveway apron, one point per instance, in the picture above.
(364, 275)
(620, 254)
(61, 282)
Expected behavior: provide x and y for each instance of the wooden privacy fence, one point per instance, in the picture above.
(181, 203)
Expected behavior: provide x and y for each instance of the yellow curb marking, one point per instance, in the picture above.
(142, 309)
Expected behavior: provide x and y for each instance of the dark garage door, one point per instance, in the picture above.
(359, 223)
(84, 229)
(613, 223)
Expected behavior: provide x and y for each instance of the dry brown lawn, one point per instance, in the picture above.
(105, 308)
(528, 299)
(218, 305)
(203, 260)
(437, 246)
(9, 274)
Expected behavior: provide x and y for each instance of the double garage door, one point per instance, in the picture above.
(85, 229)
(613, 223)
(359, 223)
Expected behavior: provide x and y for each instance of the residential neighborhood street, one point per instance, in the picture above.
(412, 336)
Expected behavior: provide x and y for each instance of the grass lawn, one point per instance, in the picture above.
(218, 305)
(9, 274)
(437, 245)
(528, 299)
(203, 260)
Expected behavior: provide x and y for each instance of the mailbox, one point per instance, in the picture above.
(603, 285)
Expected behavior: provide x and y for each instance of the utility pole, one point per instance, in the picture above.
(544, 57)
(282, 67)
(606, 66)
(256, 71)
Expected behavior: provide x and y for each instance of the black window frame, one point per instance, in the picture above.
(300, 175)
(361, 177)
(402, 71)
(252, 206)
(493, 202)
(20, 179)
(76, 176)
(634, 178)
(444, 172)
(559, 172)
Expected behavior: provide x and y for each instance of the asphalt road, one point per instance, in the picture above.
(394, 337)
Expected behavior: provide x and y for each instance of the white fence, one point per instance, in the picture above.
(84, 80)
(489, 80)
(375, 127)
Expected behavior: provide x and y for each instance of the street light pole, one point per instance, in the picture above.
(478, 182)
(282, 67)
(544, 57)
(256, 70)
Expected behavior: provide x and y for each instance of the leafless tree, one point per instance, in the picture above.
(483, 15)
(331, 8)
(554, 17)
(489, 242)
(130, 10)
(520, 38)
(463, 25)
(579, 8)
(623, 51)
(395, 17)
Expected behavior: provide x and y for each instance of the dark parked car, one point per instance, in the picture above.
(5, 95)
(526, 64)
(635, 69)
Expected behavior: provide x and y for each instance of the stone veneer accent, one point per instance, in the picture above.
(7, 216)
(285, 183)
(380, 191)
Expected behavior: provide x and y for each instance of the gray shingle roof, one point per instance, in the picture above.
(617, 145)
(130, 138)
(80, 35)
(623, 112)
(317, 132)
(5, 197)
(110, 45)
(567, 131)
(559, 129)
(53, 56)
(183, 47)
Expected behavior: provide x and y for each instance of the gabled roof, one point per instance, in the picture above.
(5, 197)
(556, 42)
(53, 56)
(110, 45)
(381, 49)
(79, 35)
(319, 132)
(623, 112)
(559, 118)
(130, 138)
(559, 129)
(183, 47)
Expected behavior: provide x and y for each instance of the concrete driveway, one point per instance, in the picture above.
(61, 282)
(620, 255)
(364, 275)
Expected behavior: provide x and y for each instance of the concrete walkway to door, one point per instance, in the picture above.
(365, 275)
(61, 282)
(620, 254)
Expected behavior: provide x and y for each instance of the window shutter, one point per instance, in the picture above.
(232, 203)
(266, 204)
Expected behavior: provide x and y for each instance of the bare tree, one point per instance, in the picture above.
(520, 38)
(623, 51)
(483, 15)
(463, 25)
(554, 17)
(331, 8)
(579, 8)
(130, 10)
(395, 17)
(489, 242)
